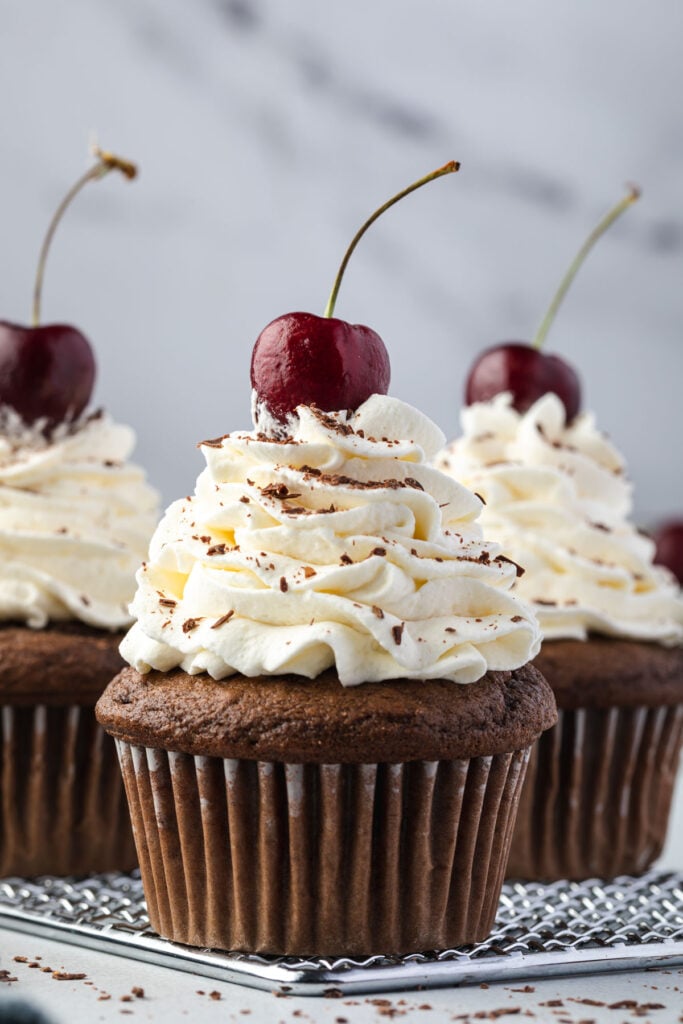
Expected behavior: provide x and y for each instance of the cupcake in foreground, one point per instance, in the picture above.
(598, 791)
(327, 717)
(75, 521)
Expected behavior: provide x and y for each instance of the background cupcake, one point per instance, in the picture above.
(597, 797)
(75, 518)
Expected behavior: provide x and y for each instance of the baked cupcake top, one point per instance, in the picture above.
(337, 546)
(75, 522)
(558, 500)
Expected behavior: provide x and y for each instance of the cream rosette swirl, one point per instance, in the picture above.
(337, 546)
(558, 500)
(75, 522)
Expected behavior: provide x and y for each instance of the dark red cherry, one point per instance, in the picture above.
(526, 372)
(669, 541)
(303, 359)
(46, 372)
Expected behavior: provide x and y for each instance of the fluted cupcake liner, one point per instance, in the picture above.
(63, 807)
(321, 859)
(597, 794)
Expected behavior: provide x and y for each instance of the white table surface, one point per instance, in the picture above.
(172, 996)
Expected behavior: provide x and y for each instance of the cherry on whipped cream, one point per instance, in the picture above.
(303, 359)
(47, 371)
(524, 369)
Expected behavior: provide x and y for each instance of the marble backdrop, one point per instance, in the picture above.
(266, 131)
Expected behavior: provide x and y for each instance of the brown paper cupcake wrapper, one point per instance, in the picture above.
(597, 794)
(63, 806)
(321, 859)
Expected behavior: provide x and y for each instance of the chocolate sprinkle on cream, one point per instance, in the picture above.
(223, 619)
(213, 442)
(278, 491)
(284, 586)
(502, 558)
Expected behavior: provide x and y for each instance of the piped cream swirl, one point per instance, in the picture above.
(338, 546)
(558, 500)
(75, 522)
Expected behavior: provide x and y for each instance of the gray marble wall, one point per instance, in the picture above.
(267, 131)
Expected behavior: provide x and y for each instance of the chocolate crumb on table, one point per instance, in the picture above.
(66, 976)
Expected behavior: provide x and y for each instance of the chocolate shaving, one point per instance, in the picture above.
(284, 586)
(244, 499)
(346, 559)
(167, 602)
(339, 480)
(308, 572)
(450, 629)
(287, 439)
(223, 619)
(190, 624)
(213, 442)
(216, 549)
(397, 633)
(280, 491)
(331, 423)
(517, 618)
(503, 558)
(378, 551)
(377, 611)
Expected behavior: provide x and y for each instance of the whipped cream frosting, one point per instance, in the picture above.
(558, 500)
(75, 522)
(336, 546)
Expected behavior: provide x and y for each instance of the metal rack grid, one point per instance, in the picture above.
(541, 930)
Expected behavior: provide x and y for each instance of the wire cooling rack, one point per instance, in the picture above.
(541, 930)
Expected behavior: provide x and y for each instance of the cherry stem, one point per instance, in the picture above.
(106, 162)
(600, 228)
(449, 168)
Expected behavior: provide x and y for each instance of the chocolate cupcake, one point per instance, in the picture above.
(598, 791)
(329, 709)
(75, 518)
